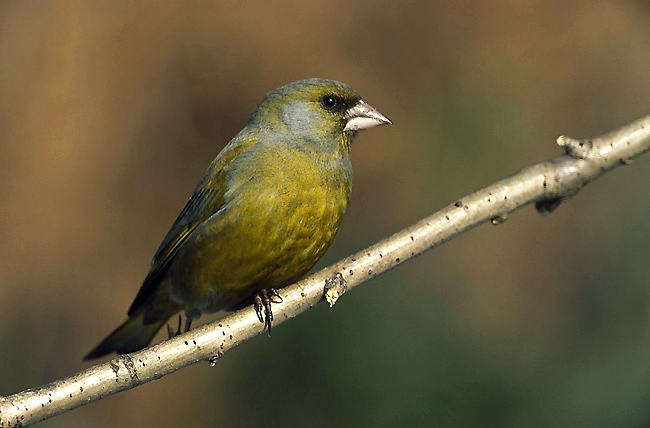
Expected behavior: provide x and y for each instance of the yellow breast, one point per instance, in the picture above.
(276, 226)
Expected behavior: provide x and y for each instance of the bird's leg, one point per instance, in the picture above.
(170, 331)
(263, 300)
(188, 323)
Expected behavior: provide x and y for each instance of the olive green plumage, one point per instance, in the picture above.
(265, 211)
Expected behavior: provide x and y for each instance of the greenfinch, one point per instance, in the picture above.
(264, 212)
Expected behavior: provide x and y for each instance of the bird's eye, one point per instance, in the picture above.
(329, 101)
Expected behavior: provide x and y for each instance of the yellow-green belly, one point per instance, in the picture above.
(269, 235)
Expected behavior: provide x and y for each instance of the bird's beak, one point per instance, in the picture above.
(363, 116)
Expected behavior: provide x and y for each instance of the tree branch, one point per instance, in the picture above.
(547, 184)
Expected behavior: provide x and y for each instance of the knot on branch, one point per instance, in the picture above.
(579, 149)
(547, 206)
(334, 288)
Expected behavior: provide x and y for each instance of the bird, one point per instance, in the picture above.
(264, 212)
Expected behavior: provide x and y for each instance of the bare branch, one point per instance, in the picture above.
(547, 184)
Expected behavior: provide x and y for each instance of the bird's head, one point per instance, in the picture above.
(325, 114)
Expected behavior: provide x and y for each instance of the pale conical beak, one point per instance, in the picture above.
(363, 116)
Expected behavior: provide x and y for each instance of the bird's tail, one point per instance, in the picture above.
(131, 336)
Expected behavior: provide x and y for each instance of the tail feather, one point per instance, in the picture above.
(131, 336)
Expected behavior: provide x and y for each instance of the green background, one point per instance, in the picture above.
(111, 111)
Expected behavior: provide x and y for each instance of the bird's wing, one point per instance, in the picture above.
(207, 199)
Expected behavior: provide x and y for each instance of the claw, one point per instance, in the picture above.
(274, 293)
(259, 306)
(263, 300)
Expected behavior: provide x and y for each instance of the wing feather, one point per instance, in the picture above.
(207, 199)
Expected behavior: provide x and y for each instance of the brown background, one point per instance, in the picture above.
(111, 111)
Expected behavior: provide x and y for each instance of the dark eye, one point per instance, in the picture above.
(329, 102)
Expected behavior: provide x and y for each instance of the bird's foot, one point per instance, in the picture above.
(170, 331)
(263, 300)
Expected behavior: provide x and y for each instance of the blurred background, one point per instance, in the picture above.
(111, 111)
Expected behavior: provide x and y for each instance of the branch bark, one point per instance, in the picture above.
(546, 184)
